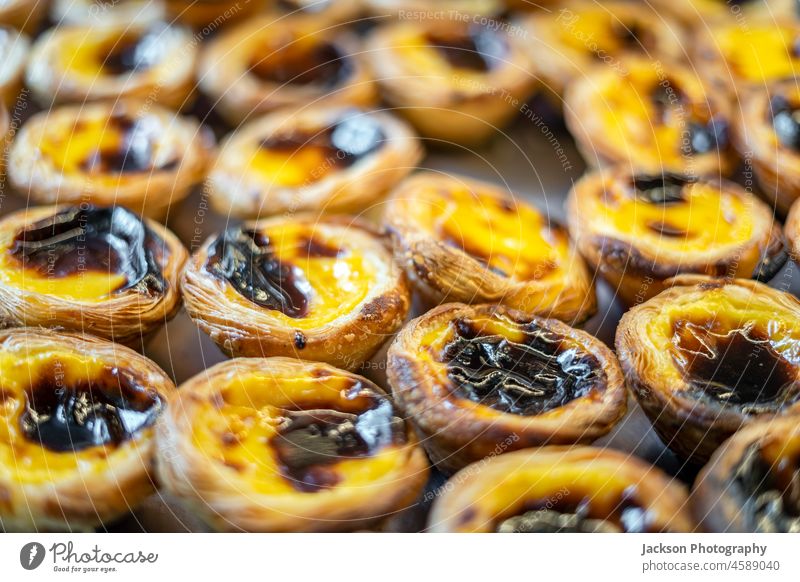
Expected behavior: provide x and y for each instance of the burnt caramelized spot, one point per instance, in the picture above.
(542, 373)
(109, 240)
(309, 443)
(631, 35)
(479, 49)
(786, 121)
(734, 366)
(342, 144)
(664, 189)
(769, 491)
(664, 228)
(132, 153)
(108, 409)
(568, 513)
(132, 54)
(246, 259)
(322, 63)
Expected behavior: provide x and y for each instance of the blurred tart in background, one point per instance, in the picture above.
(326, 159)
(106, 12)
(656, 117)
(80, 63)
(478, 381)
(698, 14)
(210, 15)
(88, 268)
(323, 289)
(472, 242)
(139, 155)
(279, 444)
(562, 490)
(24, 15)
(767, 136)
(709, 356)
(271, 62)
(14, 48)
(76, 429)
(422, 9)
(638, 230)
(569, 40)
(323, 12)
(457, 82)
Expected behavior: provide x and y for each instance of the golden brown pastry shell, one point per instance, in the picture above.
(441, 272)
(448, 109)
(691, 428)
(485, 493)
(170, 82)
(242, 328)
(223, 70)
(14, 55)
(149, 193)
(714, 499)
(637, 270)
(128, 317)
(238, 191)
(94, 495)
(458, 432)
(210, 15)
(791, 229)
(186, 472)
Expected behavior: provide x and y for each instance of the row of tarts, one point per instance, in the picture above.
(285, 436)
(285, 444)
(631, 87)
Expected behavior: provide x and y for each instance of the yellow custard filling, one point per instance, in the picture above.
(760, 53)
(705, 219)
(335, 280)
(305, 165)
(595, 30)
(236, 426)
(27, 461)
(510, 237)
(87, 285)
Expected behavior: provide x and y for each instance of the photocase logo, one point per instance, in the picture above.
(31, 555)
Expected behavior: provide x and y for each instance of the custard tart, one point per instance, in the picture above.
(455, 80)
(792, 230)
(88, 268)
(138, 155)
(768, 136)
(106, 12)
(335, 159)
(24, 15)
(323, 289)
(323, 12)
(269, 62)
(464, 240)
(698, 14)
(737, 58)
(76, 429)
(637, 230)
(656, 117)
(210, 15)
(80, 63)
(278, 444)
(482, 380)
(708, 356)
(14, 49)
(752, 483)
(567, 42)
(562, 490)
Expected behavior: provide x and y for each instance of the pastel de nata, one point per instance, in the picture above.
(699, 548)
